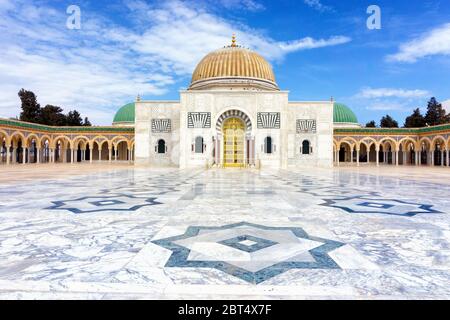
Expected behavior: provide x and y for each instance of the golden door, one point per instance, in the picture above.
(234, 137)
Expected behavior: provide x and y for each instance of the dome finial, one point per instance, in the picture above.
(233, 40)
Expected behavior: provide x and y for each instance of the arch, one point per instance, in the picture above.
(350, 141)
(234, 113)
(76, 141)
(119, 139)
(161, 146)
(436, 139)
(393, 144)
(425, 139)
(268, 145)
(14, 135)
(32, 136)
(61, 137)
(406, 140)
(306, 147)
(368, 145)
(198, 145)
(345, 148)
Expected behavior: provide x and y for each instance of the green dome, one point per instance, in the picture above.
(125, 114)
(343, 114)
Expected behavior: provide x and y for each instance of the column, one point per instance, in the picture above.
(396, 158)
(357, 157)
(24, 155)
(442, 158)
(338, 160)
(91, 155)
(416, 160)
(38, 155)
(378, 157)
(8, 154)
(72, 156)
(431, 162)
(99, 155)
(117, 155)
(351, 155)
(448, 159)
(110, 155)
(404, 157)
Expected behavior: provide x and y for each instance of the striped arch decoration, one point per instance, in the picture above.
(199, 120)
(234, 114)
(161, 125)
(306, 126)
(268, 120)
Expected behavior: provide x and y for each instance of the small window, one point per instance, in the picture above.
(161, 146)
(306, 147)
(199, 145)
(268, 145)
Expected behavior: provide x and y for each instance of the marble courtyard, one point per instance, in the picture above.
(152, 233)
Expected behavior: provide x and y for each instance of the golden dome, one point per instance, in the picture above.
(233, 65)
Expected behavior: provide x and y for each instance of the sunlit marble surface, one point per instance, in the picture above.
(101, 236)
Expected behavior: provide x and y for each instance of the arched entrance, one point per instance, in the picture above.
(233, 142)
(234, 145)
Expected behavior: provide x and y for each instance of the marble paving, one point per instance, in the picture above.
(142, 233)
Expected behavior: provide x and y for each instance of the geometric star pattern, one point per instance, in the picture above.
(362, 204)
(230, 249)
(117, 202)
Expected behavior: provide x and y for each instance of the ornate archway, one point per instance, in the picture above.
(234, 144)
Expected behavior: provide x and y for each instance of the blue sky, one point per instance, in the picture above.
(318, 48)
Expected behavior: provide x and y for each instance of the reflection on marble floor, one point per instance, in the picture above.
(147, 233)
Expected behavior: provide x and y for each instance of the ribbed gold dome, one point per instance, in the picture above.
(234, 62)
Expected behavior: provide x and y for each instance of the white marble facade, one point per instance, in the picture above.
(287, 140)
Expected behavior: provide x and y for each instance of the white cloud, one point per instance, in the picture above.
(104, 65)
(387, 106)
(446, 105)
(370, 93)
(317, 5)
(435, 42)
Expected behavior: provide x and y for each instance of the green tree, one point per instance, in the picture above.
(30, 108)
(371, 124)
(435, 113)
(416, 120)
(388, 122)
(86, 122)
(74, 119)
(52, 116)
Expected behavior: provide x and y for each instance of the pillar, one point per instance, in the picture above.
(99, 155)
(116, 157)
(91, 156)
(416, 160)
(442, 158)
(357, 157)
(378, 157)
(404, 157)
(351, 155)
(110, 155)
(8, 154)
(24, 155)
(448, 159)
(431, 157)
(396, 157)
(38, 155)
(72, 156)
